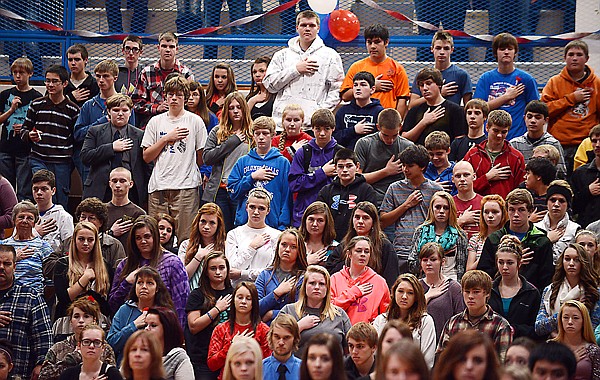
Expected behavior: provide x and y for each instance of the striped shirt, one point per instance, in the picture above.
(406, 225)
(29, 270)
(55, 122)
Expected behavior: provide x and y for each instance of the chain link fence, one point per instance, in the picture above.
(240, 45)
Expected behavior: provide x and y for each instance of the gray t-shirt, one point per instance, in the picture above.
(337, 327)
(373, 154)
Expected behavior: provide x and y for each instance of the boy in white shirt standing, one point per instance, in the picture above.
(174, 140)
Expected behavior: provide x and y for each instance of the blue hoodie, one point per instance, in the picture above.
(307, 185)
(351, 114)
(240, 183)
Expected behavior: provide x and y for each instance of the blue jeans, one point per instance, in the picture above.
(237, 10)
(62, 172)
(17, 170)
(82, 169)
(228, 207)
(138, 20)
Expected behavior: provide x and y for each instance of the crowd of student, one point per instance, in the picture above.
(265, 236)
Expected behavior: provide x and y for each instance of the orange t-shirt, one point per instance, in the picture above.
(391, 70)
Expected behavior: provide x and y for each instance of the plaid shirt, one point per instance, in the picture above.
(29, 331)
(148, 93)
(492, 324)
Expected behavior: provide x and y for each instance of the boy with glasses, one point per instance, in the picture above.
(129, 73)
(48, 128)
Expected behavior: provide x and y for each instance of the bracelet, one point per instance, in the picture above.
(219, 311)
(209, 317)
(82, 287)
(195, 258)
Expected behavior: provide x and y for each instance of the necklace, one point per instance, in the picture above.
(437, 284)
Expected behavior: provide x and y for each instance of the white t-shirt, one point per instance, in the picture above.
(175, 168)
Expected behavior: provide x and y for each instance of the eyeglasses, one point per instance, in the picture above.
(52, 81)
(89, 342)
(129, 49)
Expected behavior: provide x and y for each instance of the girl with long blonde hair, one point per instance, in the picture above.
(83, 272)
(315, 311)
(441, 226)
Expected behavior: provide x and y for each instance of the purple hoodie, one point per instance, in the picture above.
(307, 185)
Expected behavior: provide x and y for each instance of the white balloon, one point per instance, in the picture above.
(323, 7)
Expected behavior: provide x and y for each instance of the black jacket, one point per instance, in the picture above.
(585, 205)
(539, 271)
(343, 199)
(523, 308)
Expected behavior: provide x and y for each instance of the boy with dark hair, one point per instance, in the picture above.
(149, 98)
(378, 153)
(358, 118)
(116, 143)
(457, 85)
(476, 114)
(573, 99)
(55, 225)
(507, 87)
(312, 166)
(82, 85)
(48, 128)
(536, 265)
(536, 117)
(539, 172)
(174, 141)
(499, 167)
(264, 166)
(362, 344)
(552, 360)
(586, 185)
(440, 168)
(129, 73)
(14, 152)
(391, 81)
(406, 202)
(346, 190)
(436, 114)
(476, 290)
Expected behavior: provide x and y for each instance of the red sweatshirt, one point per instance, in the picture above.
(346, 294)
(221, 341)
(482, 163)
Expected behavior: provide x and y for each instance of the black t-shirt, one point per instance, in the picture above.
(111, 372)
(453, 122)
(461, 145)
(9, 143)
(197, 345)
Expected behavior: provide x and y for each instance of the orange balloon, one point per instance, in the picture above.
(344, 25)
